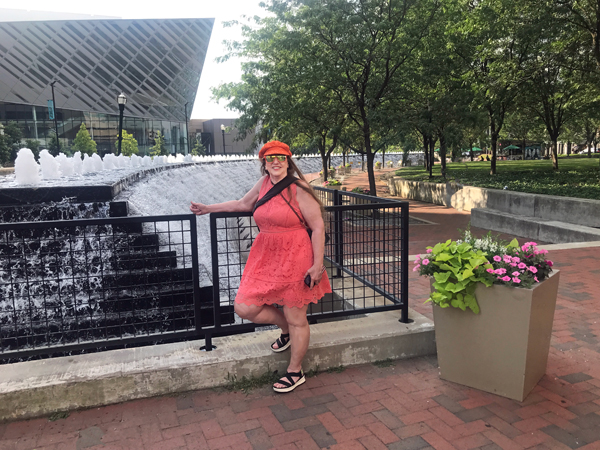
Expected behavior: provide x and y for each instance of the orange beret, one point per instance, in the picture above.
(274, 148)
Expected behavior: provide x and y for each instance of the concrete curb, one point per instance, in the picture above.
(36, 388)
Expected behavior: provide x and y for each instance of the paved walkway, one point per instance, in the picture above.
(402, 406)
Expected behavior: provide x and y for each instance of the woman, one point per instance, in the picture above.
(282, 256)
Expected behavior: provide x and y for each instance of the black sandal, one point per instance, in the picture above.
(288, 382)
(283, 343)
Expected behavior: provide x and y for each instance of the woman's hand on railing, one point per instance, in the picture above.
(199, 208)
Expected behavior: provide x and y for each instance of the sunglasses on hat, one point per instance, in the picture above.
(271, 158)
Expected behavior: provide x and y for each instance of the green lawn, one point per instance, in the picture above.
(576, 177)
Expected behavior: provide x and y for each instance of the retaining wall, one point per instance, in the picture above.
(578, 211)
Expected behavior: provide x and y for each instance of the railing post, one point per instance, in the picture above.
(214, 250)
(195, 278)
(404, 264)
(338, 238)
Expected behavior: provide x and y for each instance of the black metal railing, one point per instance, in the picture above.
(76, 285)
(367, 258)
(86, 285)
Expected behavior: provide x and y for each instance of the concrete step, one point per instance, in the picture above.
(36, 388)
(534, 228)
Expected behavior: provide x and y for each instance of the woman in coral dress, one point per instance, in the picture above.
(281, 257)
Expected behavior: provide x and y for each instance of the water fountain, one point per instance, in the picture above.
(96, 188)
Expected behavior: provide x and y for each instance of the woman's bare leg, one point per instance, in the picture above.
(262, 314)
(300, 336)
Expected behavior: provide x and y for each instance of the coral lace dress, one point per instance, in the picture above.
(280, 256)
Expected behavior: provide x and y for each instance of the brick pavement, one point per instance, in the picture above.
(402, 406)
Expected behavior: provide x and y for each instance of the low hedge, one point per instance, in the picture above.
(576, 177)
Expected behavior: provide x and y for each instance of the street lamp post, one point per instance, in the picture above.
(122, 100)
(187, 129)
(55, 119)
(223, 133)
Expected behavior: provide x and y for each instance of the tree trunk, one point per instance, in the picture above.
(383, 159)
(443, 151)
(324, 161)
(372, 185)
(554, 153)
(431, 155)
(569, 148)
(471, 151)
(425, 152)
(494, 137)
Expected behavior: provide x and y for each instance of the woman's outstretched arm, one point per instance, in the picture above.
(246, 203)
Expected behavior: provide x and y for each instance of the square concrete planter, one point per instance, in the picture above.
(503, 349)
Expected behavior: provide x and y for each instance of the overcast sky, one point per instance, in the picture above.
(221, 10)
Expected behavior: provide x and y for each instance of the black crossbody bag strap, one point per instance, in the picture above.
(308, 230)
(275, 190)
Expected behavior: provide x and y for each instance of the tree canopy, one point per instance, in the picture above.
(365, 75)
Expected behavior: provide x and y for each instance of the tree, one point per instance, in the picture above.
(343, 61)
(198, 149)
(34, 146)
(278, 96)
(4, 150)
(496, 39)
(585, 16)
(83, 142)
(12, 138)
(54, 145)
(129, 145)
(159, 148)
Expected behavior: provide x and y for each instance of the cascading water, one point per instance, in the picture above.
(56, 291)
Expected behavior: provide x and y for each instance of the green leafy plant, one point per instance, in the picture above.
(457, 269)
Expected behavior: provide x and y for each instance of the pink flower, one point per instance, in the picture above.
(506, 278)
(543, 251)
(416, 268)
(425, 261)
(429, 250)
(418, 260)
(516, 280)
(536, 280)
(497, 258)
(507, 259)
(490, 271)
(513, 264)
(516, 259)
(522, 266)
(501, 271)
(532, 269)
(516, 274)
(549, 263)
(526, 246)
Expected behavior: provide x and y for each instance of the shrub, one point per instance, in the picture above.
(83, 142)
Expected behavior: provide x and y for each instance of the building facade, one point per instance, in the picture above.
(155, 63)
(220, 137)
